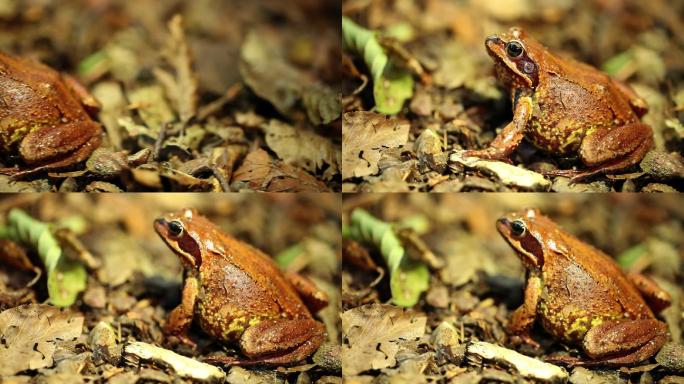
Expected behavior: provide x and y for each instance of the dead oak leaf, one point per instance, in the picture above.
(259, 172)
(302, 148)
(365, 135)
(30, 334)
(373, 335)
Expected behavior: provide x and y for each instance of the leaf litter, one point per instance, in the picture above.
(168, 74)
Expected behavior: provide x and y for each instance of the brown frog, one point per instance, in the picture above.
(239, 296)
(566, 108)
(581, 296)
(44, 124)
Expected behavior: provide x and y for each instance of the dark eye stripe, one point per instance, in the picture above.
(189, 245)
(531, 245)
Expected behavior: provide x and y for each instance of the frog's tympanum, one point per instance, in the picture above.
(44, 124)
(239, 296)
(581, 296)
(566, 108)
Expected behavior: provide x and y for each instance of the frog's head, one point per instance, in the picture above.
(522, 231)
(516, 58)
(183, 232)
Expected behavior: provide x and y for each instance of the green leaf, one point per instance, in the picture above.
(613, 65)
(287, 256)
(408, 278)
(65, 278)
(392, 85)
(627, 258)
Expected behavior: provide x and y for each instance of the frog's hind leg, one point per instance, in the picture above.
(40, 164)
(611, 150)
(622, 342)
(277, 342)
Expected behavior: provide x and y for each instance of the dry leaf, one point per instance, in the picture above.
(364, 137)
(30, 334)
(181, 88)
(374, 334)
(302, 148)
(259, 172)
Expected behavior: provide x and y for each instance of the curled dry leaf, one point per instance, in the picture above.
(259, 172)
(509, 175)
(31, 335)
(183, 366)
(526, 366)
(181, 88)
(374, 335)
(302, 148)
(364, 138)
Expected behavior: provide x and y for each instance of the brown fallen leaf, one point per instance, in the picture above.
(31, 334)
(364, 138)
(302, 148)
(259, 172)
(374, 334)
(181, 88)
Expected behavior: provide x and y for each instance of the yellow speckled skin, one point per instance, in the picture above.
(574, 109)
(580, 295)
(42, 119)
(241, 296)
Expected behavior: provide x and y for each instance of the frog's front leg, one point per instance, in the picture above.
(510, 137)
(621, 342)
(639, 105)
(657, 298)
(278, 342)
(523, 318)
(180, 319)
(314, 298)
(609, 150)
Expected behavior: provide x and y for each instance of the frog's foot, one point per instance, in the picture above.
(623, 342)
(524, 339)
(280, 342)
(10, 171)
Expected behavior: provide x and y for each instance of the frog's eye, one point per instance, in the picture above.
(518, 228)
(514, 49)
(175, 228)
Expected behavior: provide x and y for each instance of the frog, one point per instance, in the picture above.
(239, 296)
(565, 108)
(46, 119)
(581, 297)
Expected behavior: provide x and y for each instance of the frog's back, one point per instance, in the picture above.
(572, 99)
(240, 291)
(585, 290)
